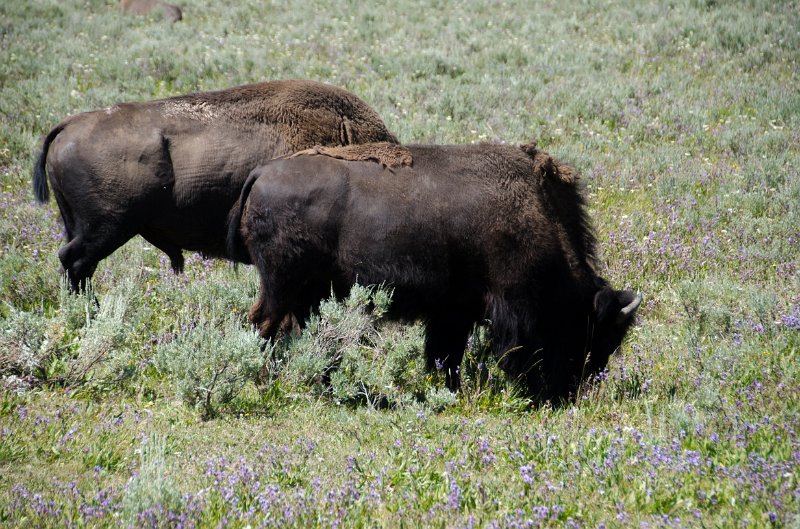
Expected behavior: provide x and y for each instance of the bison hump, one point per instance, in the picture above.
(384, 153)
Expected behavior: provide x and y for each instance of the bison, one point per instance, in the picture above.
(171, 170)
(466, 234)
(171, 12)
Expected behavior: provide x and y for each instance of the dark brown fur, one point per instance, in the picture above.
(171, 170)
(468, 234)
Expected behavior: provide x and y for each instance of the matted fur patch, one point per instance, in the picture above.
(545, 164)
(384, 153)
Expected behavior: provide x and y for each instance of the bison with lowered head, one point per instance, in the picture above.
(171, 170)
(465, 234)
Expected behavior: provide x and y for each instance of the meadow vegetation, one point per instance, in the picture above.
(159, 407)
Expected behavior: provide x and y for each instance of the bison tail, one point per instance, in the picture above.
(39, 179)
(233, 244)
(40, 189)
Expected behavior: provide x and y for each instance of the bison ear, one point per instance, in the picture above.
(620, 305)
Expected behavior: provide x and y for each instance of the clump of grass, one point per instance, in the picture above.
(484, 386)
(25, 286)
(151, 494)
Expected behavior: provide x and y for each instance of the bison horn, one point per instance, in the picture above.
(628, 310)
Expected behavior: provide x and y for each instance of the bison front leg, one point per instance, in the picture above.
(446, 338)
(173, 251)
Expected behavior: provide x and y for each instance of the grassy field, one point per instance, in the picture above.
(682, 117)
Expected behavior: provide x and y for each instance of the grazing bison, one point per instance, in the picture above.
(143, 7)
(171, 170)
(466, 234)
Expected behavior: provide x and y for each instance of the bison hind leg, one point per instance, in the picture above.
(77, 266)
(176, 261)
(266, 319)
(80, 256)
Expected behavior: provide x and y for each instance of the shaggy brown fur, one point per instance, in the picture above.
(384, 153)
(303, 114)
(171, 170)
(171, 12)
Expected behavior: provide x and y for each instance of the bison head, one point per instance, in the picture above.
(612, 314)
(566, 345)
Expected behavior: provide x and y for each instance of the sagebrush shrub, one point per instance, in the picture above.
(72, 346)
(101, 353)
(23, 345)
(346, 351)
(211, 362)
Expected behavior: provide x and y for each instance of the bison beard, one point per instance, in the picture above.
(171, 170)
(467, 234)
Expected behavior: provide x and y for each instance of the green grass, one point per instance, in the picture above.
(682, 118)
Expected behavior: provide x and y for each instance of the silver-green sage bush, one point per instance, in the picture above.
(211, 362)
(348, 352)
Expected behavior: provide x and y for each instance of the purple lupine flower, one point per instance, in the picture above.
(527, 473)
(541, 512)
(792, 321)
(454, 496)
